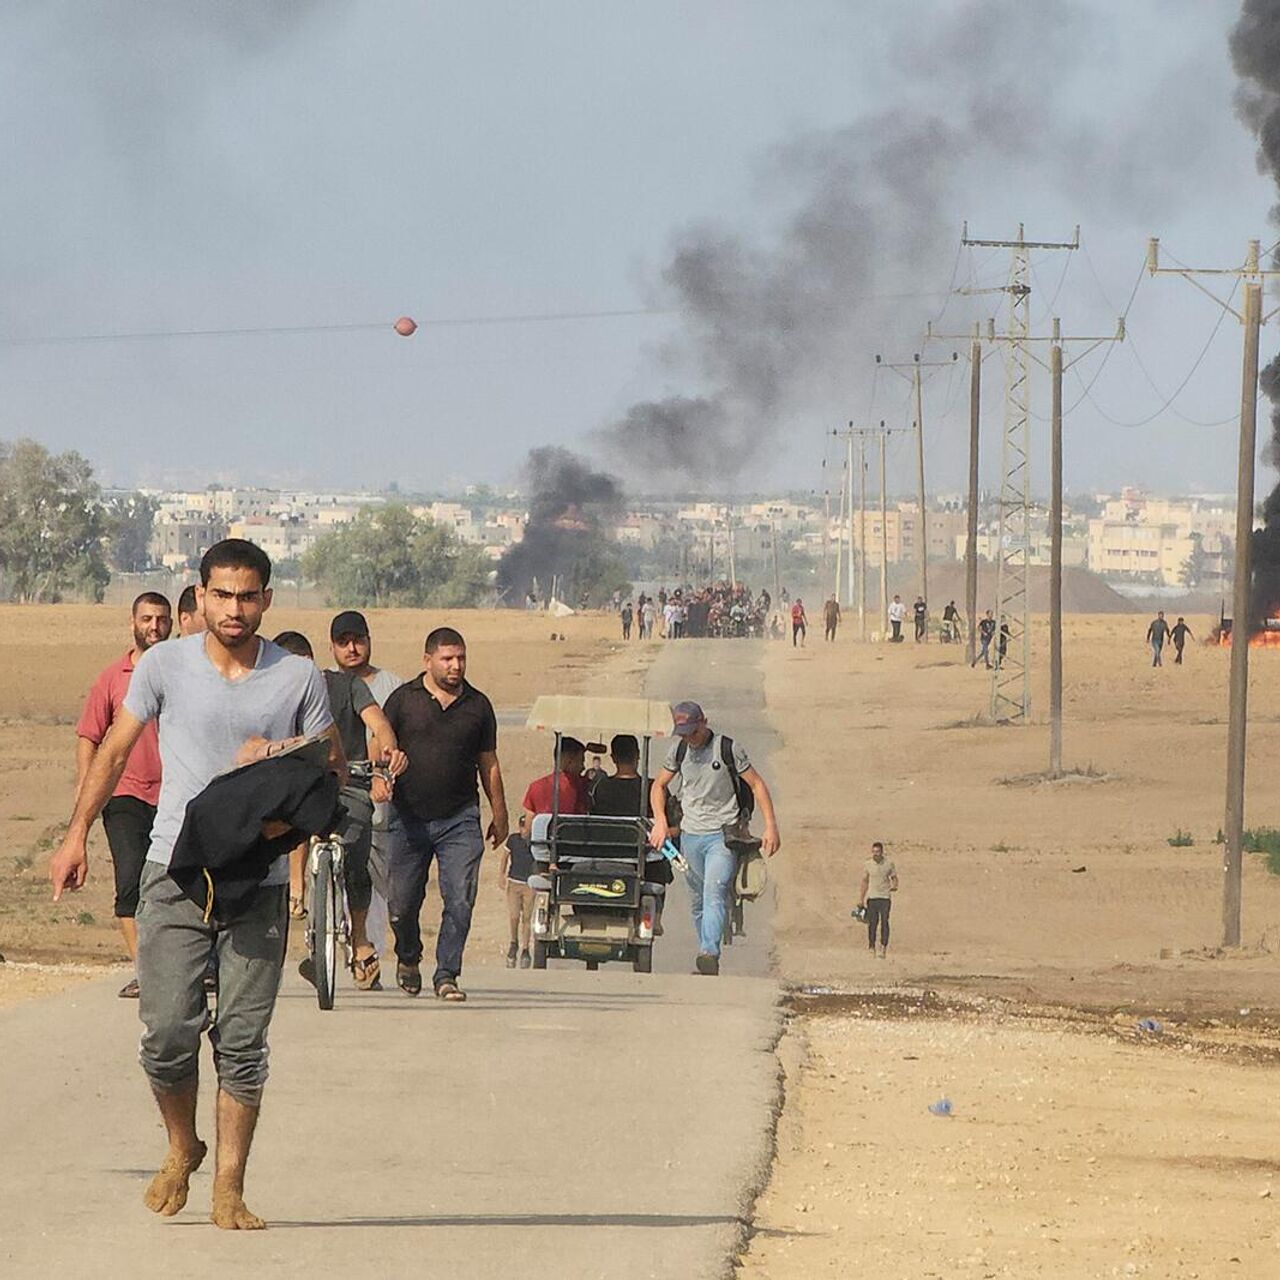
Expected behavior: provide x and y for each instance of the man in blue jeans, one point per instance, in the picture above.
(450, 733)
(711, 808)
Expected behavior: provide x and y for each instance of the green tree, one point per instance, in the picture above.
(129, 519)
(51, 525)
(1195, 565)
(388, 557)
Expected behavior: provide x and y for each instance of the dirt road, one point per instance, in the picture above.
(560, 1124)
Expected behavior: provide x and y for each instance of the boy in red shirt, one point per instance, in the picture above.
(574, 787)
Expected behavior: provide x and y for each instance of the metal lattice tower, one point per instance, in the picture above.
(1011, 679)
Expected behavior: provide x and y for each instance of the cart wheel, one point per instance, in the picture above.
(539, 954)
(643, 960)
(726, 934)
(738, 919)
(592, 965)
(324, 928)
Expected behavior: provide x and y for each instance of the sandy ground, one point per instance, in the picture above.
(1050, 917)
(49, 656)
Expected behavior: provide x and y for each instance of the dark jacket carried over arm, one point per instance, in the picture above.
(221, 855)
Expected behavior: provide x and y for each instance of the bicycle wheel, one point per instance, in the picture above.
(324, 926)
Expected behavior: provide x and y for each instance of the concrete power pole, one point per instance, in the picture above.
(862, 539)
(971, 522)
(911, 371)
(1252, 318)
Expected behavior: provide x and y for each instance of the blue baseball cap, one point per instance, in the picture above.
(688, 717)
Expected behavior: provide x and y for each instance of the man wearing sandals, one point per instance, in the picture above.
(222, 699)
(450, 734)
(359, 717)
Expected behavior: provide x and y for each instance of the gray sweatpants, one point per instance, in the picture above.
(174, 945)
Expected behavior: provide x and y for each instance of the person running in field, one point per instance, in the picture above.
(799, 623)
(222, 699)
(897, 616)
(709, 799)
(128, 816)
(920, 612)
(831, 617)
(879, 880)
(1180, 634)
(986, 633)
(190, 618)
(1157, 634)
(449, 731)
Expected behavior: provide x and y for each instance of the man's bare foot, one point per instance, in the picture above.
(229, 1211)
(168, 1190)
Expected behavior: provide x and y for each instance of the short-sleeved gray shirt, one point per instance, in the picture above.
(205, 719)
(707, 794)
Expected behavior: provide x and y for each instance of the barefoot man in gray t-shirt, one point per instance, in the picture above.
(222, 699)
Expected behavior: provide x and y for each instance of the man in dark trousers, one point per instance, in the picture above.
(879, 880)
(920, 613)
(450, 734)
(1157, 634)
(831, 617)
(986, 633)
(1180, 634)
(127, 817)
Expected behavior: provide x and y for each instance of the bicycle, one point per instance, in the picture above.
(329, 921)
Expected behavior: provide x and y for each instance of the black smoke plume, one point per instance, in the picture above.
(1255, 53)
(565, 535)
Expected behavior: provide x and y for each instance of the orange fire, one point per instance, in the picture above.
(1267, 638)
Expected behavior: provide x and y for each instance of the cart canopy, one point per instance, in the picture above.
(600, 718)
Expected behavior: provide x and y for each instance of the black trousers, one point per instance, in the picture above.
(878, 914)
(127, 822)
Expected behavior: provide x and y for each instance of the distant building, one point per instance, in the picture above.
(1162, 541)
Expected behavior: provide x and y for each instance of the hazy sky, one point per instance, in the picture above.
(207, 166)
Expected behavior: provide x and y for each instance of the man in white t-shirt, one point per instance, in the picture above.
(879, 880)
(897, 616)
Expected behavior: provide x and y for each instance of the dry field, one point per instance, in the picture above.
(1047, 919)
(49, 656)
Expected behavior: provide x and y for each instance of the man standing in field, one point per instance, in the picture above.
(128, 816)
(830, 617)
(799, 623)
(897, 616)
(222, 699)
(627, 614)
(709, 767)
(1180, 634)
(879, 880)
(920, 610)
(1157, 634)
(986, 633)
(450, 733)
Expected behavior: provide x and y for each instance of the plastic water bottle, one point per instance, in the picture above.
(940, 1108)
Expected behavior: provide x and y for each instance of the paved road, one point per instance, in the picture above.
(560, 1124)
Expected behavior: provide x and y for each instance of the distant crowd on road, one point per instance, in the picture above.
(723, 610)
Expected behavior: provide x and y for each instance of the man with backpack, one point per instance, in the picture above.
(719, 790)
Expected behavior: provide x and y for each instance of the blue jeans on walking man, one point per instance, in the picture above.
(457, 846)
(711, 868)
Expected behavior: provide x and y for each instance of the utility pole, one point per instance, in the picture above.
(1252, 318)
(884, 540)
(849, 435)
(840, 539)
(862, 539)
(777, 577)
(971, 523)
(733, 562)
(911, 371)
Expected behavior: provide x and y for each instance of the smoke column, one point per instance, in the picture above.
(569, 504)
(1255, 53)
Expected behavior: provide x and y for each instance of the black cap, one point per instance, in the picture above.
(348, 623)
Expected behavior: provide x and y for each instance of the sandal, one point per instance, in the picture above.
(367, 972)
(297, 908)
(449, 991)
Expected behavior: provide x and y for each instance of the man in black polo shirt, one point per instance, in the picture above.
(450, 734)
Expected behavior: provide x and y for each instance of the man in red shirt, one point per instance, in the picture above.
(574, 788)
(128, 815)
